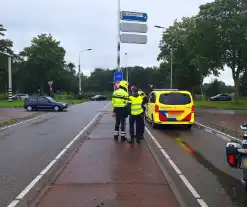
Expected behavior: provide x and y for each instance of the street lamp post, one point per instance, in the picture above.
(79, 68)
(9, 74)
(127, 71)
(118, 36)
(160, 27)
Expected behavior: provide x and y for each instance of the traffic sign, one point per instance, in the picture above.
(133, 27)
(116, 85)
(133, 38)
(50, 83)
(133, 16)
(118, 76)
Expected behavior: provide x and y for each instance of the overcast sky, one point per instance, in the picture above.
(82, 24)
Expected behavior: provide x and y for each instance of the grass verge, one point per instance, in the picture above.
(8, 122)
(227, 105)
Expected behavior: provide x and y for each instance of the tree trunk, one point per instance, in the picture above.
(236, 86)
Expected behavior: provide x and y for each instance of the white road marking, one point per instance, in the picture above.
(37, 117)
(46, 169)
(179, 172)
(22, 122)
(211, 130)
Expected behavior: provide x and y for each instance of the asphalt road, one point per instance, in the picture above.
(205, 168)
(27, 148)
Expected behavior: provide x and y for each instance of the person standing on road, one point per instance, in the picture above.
(119, 103)
(145, 100)
(135, 108)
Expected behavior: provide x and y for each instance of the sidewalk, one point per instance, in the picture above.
(112, 174)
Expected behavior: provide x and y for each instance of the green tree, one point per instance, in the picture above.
(45, 62)
(222, 30)
(188, 67)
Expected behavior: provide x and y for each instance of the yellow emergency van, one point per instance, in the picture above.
(170, 106)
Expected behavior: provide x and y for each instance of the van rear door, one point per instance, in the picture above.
(175, 106)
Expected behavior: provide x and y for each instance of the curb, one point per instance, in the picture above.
(14, 120)
(220, 134)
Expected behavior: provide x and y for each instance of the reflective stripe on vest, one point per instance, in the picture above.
(136, 105)
(119, 98)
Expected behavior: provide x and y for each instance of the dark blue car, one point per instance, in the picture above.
(43, 103)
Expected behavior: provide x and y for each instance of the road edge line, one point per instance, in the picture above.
(176, 192)
(169, 179)
(34, 118)
(24, 192)
(220, 134)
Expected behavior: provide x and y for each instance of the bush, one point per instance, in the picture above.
(3, 96)
(62, 97)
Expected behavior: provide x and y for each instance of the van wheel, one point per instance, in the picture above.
(56, 108)
(155, 126)
(189, 126)
(29, 108)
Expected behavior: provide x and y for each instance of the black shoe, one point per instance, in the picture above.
(131, 141)
(123, 139)
(141, 137)
(116, 137)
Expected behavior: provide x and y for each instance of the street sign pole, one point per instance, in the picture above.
(79, 71)
(10, 78)
(50, 84)
(118, 38)
(9, 75)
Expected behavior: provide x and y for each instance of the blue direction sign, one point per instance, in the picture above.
(118, 76)
(133, 16)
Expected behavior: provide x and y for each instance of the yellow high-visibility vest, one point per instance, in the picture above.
(119, 98)
(136, 105)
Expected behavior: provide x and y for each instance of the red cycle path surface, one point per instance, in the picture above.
(108, 173)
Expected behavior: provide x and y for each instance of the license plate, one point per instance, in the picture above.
(244, 162)
(174, 114)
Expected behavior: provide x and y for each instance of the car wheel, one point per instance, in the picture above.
(189, 126)
(56, 108)
(155, 126)
(29, 108)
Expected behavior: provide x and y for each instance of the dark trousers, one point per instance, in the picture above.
(120, 120)
(135, 120)
(142, 125)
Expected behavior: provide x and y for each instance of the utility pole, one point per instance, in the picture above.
(9, 75)
(118, 37)
(79, 68)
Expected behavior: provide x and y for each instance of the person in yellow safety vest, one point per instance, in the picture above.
(119, 103)
(145, 100)
(135, 108)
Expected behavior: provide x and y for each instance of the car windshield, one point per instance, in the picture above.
(174, 98)
(50, 99)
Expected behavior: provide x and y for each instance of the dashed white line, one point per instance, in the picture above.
(45, 170)
(179, 172)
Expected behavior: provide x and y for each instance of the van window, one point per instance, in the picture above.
(175, 98)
